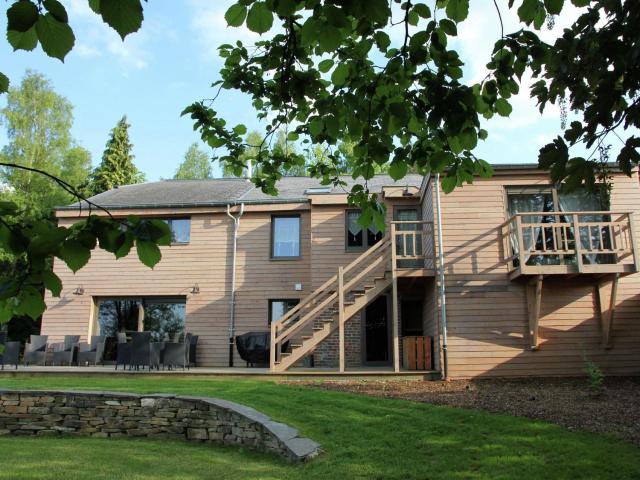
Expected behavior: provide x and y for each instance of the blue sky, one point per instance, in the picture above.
(172, 62)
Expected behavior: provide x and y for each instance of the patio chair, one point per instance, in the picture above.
(141, 350)
(92, 352)
(123, 355)
(192, 349)
(176, 354)
(36, 350)
(64, 352)
(11, 353)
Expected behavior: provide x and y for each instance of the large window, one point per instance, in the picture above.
(358, 238)
(164, 317)
(277, 308)
(285, 236)
(180, 229)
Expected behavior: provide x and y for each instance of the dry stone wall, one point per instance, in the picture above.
(114, 414)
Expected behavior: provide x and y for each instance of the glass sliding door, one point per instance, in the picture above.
(118, 315)
(164, 317)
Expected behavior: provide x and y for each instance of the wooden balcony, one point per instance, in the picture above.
(412, 244)
(569, 243)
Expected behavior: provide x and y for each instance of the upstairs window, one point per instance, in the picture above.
(358, 238)
(285, 236)
(180, 229)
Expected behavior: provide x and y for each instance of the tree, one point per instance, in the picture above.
(196, 165)
(117, 166)
(332, 73)
(38, 123)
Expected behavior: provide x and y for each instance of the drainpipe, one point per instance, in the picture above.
(443, 302)
(232, 301)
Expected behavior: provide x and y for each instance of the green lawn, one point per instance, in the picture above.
(363, 438)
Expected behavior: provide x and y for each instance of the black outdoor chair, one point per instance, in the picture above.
(92, 352)
(64, 352)
(193, 343)
(141, 350)
(123, 355)
(176, 354)
(11, 353)
(36, 350)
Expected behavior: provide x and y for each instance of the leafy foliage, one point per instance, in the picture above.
(37, 243)
(196, 165)
(117, 166)
(332, 74)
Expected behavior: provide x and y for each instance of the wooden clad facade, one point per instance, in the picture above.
(487, 310)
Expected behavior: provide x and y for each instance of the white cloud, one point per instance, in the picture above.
(210, 27)
(94, 38)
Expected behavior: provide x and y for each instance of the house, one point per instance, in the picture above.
(522, 295)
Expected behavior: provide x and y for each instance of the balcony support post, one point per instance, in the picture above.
(606, 291)
(534, 300)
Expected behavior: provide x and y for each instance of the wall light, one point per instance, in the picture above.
(196, 289)
(79, 290)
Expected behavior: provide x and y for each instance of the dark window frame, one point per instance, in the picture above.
(365, 234)
(272, 300)
(169, 220)
(271, 243)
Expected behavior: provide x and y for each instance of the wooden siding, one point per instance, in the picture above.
(206, 260)
(487, 313)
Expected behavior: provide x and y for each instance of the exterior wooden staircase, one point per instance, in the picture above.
(296, 334)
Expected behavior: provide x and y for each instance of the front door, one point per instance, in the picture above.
(376, 333)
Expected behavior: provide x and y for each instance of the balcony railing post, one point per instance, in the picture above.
(578, 241)
(341, 316)
(520, 243)
(632, 242)
(272, 352)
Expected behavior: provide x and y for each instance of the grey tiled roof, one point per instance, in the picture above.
(183, 193)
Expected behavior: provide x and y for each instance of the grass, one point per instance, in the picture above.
(363, 438)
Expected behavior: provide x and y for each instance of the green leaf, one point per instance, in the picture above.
(6, 311)
(325, 65)
(236, 15)
(21, 16)
(55, 8)
(503, 107)
(23, 40)
(554, 7)
(56, 38)
(240, 129)
(260, 18)
(4, 83)
(581, 3)
(339, 75)
(316, 126)
(457, 10)
(468, 138)
(448, 183)
(124, 16)
(286, 8)
(148, 252)
(95, 6)
(74, 254)
(398, 170)
(126, 245)
(30, 302)
(422, 10)
(382, 40)
(52, 282)
(528, 10)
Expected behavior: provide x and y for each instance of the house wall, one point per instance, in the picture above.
(205, 261)
(487, 313)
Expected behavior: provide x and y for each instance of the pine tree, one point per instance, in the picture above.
(117, 166)
(196, 165)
